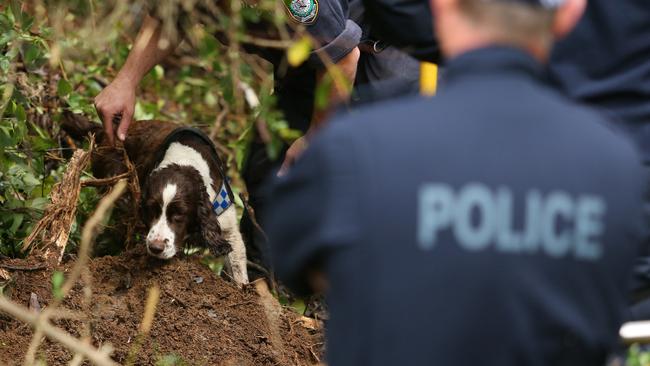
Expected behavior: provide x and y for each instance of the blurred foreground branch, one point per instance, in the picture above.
(99, 357)
(40, 321)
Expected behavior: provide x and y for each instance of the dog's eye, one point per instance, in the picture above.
(177, 218)
(152, 209)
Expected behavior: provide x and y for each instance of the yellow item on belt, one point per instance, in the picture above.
(428, 78)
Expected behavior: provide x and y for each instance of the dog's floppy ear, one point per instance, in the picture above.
(210, 232)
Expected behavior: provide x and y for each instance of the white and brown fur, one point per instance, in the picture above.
(177, 192)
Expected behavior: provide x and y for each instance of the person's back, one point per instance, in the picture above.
(605, 62)
(477, 234)
(495, 224)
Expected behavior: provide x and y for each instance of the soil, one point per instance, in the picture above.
(201, 319)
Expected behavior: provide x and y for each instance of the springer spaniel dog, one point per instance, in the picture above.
(186, 197)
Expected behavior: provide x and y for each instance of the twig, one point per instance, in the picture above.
(24, 268)
(59, 215)
(30, 356)
(134, 190)
(87, 236)
(85, 331)
(263, 131)
(99, 357)
(235, 25)
(259, 268)
(147, 320)
(267, 43)
(313, 354)
(181, 303)
(241, 303)
(253, 102)
(104, 181)
(218, 122)
(251, 214)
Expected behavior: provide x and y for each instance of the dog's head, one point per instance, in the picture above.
(177, 210)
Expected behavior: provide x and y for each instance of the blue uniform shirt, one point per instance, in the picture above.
(495, 224)
(605, 62)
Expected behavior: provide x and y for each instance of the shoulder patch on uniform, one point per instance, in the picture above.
(302, 11)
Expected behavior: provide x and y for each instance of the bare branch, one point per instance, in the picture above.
(99, 357)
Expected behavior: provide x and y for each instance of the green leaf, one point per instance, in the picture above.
(299, 306)
(142, 112)
(289, 134)
(7, 37)
(209, 99)
(195, 81)
(180, 89)
(17, 221)
(20, 114)
(298, 52)
(39, 203)
(274, 148)
(63, 88)
(30, 180)
(76, 102)
(27, 21)
(171, 360)
(159, 72)
(15, 10)
(323, 91)
(57, 285)
(5, 22)
(4, 64)
(31, 53)
(208, 45)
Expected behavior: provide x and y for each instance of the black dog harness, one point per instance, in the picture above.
(225, 196)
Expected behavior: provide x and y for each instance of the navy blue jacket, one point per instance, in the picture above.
(605, 62)
(494, 224)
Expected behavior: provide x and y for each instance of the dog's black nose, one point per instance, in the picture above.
(156, 246)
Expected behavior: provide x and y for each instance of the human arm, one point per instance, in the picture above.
(116, 103)
(340, 79)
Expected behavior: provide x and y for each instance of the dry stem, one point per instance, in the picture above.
(54, 228)
(41, 321)
(99, 357)
(147, 320)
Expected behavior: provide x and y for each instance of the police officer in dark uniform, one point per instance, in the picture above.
(605, 62)
(494, 224)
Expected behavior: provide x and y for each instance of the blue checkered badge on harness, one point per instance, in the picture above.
(222, 201)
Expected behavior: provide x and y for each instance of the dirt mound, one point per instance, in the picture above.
(201, 319)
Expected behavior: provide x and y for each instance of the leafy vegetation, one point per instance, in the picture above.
(56, 56)
(637, 356)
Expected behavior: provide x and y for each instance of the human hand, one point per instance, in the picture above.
(115, 106)
(293, 153)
